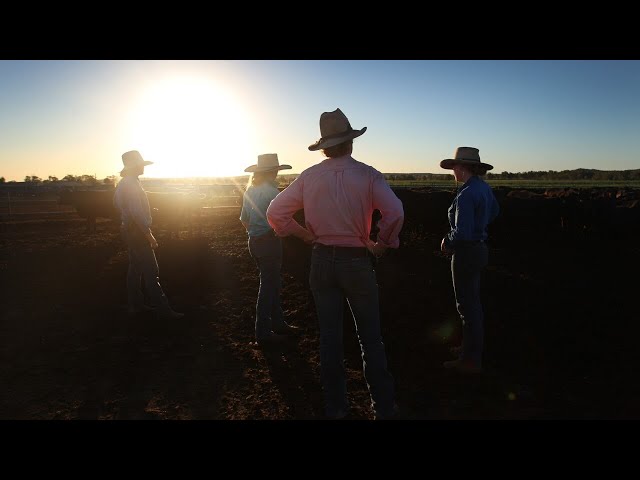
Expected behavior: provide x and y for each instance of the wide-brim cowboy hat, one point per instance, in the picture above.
(133, 159)
(464, 156)
(266, 163)
(334, 130)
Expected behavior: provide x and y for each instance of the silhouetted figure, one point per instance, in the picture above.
(265, 248)
(473, 208)
(131, 199)
(339, 196)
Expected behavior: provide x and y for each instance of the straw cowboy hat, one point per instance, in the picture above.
(334, 130)
(464, 156)
(133, 159)
(267, 162)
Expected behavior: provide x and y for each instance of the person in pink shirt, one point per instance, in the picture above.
(338, 196)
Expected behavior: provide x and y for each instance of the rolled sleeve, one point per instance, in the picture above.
(140, 214)
(283, 207)
(391, 210)
(463, 220)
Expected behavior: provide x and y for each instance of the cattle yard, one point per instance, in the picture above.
(22, 201)
(559, 299)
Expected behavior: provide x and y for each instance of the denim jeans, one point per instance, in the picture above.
(142, 266)
(266, 250)
(332, 279)
(467, 265)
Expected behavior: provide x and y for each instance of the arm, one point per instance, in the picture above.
(141, 215)
(392, 212)
(283, 207)
(463, 220)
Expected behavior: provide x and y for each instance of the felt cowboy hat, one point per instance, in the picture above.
(334, 130)
(267, 162)
(464, 156)
(133, 159)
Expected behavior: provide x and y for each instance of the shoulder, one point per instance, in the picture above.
(476, 188)
(309, 171)
(367, 168)
(469, 190)
(482, 184)
(248, 193)
(124, 184)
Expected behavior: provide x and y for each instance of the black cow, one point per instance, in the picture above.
(91, 204)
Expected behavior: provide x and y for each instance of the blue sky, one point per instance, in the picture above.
(212, 118)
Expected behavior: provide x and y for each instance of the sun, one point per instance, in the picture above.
(191, 127)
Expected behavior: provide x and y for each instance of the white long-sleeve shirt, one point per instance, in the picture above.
(131, 199)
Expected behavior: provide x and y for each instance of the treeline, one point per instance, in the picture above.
(585, 174)
(83, 179)
(578, 174)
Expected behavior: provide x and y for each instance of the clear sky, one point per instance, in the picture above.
(214, 117)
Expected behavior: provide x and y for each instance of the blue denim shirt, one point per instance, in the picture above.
(255, 202)
(473, 208)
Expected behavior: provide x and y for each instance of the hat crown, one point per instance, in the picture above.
(334, 123)
(469, 154)
(132, 158)
(335, 129)
(268, 160)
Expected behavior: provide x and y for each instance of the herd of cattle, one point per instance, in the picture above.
(614, 210)
(538, 212)
(172, 210)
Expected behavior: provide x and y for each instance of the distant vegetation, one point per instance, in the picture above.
(581, 174)
(581, 177)
(565, 178)
(83, 179)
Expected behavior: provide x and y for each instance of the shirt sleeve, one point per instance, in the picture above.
(139, 208)
(463, 219)
(392, 212)
(283, 207)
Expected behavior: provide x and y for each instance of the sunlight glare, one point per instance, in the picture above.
(191, 127)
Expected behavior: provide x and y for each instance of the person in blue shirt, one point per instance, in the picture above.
(473, 208)
(265, 248)
(131, 199)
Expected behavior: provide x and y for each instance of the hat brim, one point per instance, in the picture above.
(449, 163)
(256, 168)
(332, 142)
(143, 164)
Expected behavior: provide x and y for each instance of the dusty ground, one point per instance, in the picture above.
(560, 329)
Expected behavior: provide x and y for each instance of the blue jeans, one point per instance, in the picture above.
(467, 264)
(332, 279)
(266, 250)
(142, 266)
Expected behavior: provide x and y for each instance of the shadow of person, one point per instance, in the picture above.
(291, 373)
(115, 371)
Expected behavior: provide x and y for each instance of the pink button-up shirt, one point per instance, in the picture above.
(338, 196)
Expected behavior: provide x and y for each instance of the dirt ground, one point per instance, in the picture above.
(561, 329)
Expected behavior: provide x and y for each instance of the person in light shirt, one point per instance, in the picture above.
(338, 196)
(131, 199)
(265, 248)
